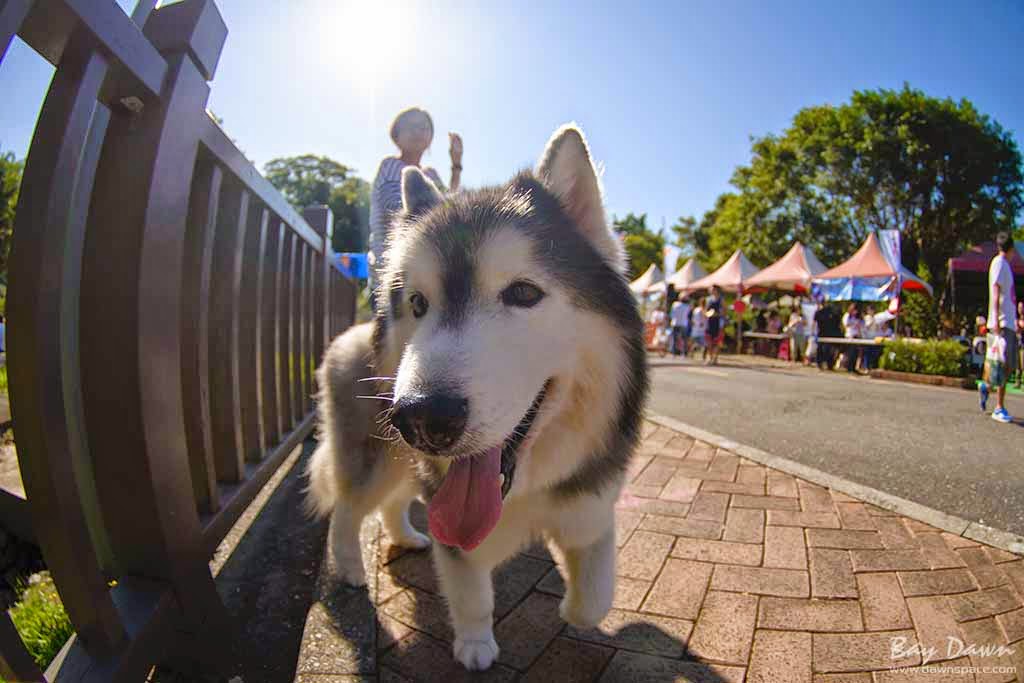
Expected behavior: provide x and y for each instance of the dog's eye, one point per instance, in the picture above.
(419, 304)
(522, 294)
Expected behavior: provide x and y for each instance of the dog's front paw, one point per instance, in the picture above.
(350, 571)
(476, 655)
(583, 614)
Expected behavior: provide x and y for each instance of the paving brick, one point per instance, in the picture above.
(527, 630)
(761, 580)
(845, 539)
(625, 522)
(723, 468)
(918, 527)
(799, 614)
(984, 603)
(999, 555)
(1012, 624)
(725, 629)
(422, 611)
(744, 526)
(819, 520)
(852, 652)
(643, 491)
(882, 602)
(569, 660)
(514, 580)
(629, 666)
(642, 556)
(854, 515)
(934, 624)
(840, 497)
(680, 488)
(956, 542)
(732, 487)
(553, 583)
(660, 437)
(937, 582)
(709, 506)
(831, 574)
(875, 511)
(424, 659)
(752, 474)
(980, 564)
(814, 498)
(765, 502)
(645, 633)
(390, 631)
(1015, 572)
(679, 590)
(647, 428)
(722, 552)
(653, 506)
(894, 534)
(986, 637)
(680, 443)
(691, 528)
(888, 560)
(630, 593)
(937, 553)
(655, 475)
(946, 673)
(784, 547)
(781, 484)
(667, 460)
(701, 452)
(780, 657)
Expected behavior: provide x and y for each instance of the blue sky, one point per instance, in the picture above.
(669, 94)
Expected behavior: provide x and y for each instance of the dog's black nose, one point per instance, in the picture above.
(431, 423)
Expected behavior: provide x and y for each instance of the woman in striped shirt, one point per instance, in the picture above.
(412, 132)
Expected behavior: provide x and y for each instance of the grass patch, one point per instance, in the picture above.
(40, 619)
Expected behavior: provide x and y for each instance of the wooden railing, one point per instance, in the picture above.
(166, 309)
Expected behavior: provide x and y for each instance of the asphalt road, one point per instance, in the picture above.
(931, 445)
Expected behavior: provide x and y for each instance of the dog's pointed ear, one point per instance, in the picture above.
(567, 171)
(418, 194)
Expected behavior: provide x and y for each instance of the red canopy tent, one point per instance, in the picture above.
(968, 277)
(731, 277)
(792, 273)
(870, 263)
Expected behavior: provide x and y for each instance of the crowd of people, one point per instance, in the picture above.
(696, 324)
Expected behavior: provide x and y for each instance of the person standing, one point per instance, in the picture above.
(1020, 343)
(1002, 337)
(716, 326)
(412, 131)
(698, 326)
(852, 329)
(680, 316)
(797, 338)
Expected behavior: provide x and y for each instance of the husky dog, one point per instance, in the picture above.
(509, 350)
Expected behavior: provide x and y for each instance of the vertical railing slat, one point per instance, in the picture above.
(250, 346)
(298, 249)
(268, 332)
(225, 392)
(284, 291)
(195, 320)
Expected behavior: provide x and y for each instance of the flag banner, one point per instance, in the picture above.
(671, 254)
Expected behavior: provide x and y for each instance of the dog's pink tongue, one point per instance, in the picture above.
(468, 504)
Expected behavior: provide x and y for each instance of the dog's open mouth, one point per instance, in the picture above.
(467, 506)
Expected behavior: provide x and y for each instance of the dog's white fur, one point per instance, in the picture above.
(501, 369)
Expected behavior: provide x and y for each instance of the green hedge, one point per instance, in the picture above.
(926, 358)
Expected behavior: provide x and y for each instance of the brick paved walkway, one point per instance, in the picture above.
(728, 571)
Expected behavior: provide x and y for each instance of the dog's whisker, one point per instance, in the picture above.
(376, 379)
(377, 398)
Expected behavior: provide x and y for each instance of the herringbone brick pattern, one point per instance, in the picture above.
(728, 571)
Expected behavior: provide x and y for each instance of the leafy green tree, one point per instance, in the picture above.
(643, 246)
(310, 179)
(10, 182)
(939, 171)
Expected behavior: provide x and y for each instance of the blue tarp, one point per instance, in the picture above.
(855, 289)
(353, 264)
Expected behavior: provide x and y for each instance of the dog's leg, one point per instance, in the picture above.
(470, 595)
(394, 515)
(590, 584)
(346, 522)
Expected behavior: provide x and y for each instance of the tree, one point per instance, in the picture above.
(643, 246)
(309, 179)
(10, 182)
(939, 171)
